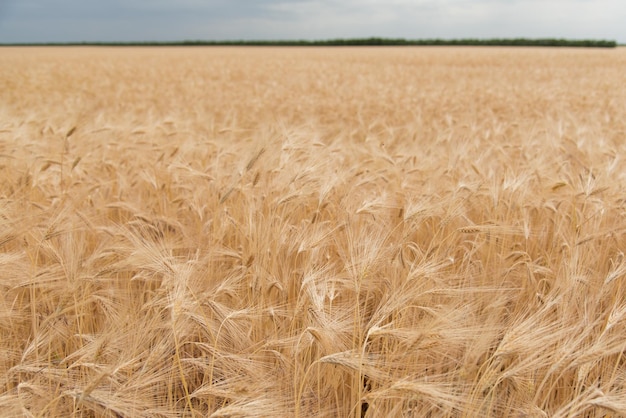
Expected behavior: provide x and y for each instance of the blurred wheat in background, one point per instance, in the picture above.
(281, 232)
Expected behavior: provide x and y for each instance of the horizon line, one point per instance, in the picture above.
(367, 41)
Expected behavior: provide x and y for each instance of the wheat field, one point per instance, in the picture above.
(312, 232)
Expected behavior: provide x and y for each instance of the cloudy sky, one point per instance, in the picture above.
(160, 20)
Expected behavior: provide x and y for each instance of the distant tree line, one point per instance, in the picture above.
(550, 42)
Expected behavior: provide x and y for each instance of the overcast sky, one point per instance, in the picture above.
(169, 20)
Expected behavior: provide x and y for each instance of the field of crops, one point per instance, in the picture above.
(312, 232)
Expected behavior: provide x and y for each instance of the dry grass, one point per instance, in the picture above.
(312, 232)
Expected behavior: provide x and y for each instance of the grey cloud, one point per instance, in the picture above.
(118, 20)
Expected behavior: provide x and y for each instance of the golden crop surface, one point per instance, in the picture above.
(339, 232)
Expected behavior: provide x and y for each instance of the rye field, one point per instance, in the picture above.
(312, 232)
